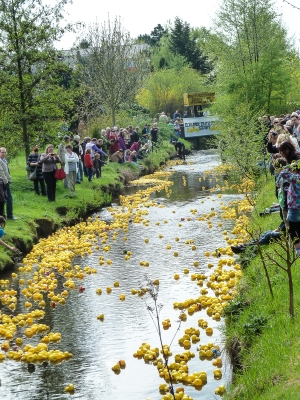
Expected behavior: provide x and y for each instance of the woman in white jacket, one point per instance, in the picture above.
(71, 167)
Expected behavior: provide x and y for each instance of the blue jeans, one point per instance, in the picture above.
(293, 215)
(266, 237)
(79, 176)
(89, 173)
(9, 202)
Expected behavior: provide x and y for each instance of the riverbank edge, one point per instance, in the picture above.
(259, 332)
(38, 228)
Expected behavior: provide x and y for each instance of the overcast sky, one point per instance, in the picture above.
(139, 17)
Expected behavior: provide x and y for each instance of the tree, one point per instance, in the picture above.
(113, 67)
(164, 89)
(241, 138)
(155, 36)
(252, 53)
(182, 42)
(163, 57)
(31, 100)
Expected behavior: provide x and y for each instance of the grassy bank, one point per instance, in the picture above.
(39, 218)
(261, 336)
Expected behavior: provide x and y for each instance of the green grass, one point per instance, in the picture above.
(37, 217)
(262, 326)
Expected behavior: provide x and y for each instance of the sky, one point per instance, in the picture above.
(140, 17)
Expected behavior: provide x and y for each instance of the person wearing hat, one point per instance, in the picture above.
(62, 153)
(77, 149)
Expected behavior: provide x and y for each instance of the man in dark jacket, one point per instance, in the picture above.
(83, 146)
(33, 162)
(134, 136)
(180, 148)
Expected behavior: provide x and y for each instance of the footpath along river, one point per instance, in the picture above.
(96, 346)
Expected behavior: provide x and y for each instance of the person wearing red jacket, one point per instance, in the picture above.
(88, 163)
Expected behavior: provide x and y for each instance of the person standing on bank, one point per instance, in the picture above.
(49, 160)
(154, 134)
(4, 174)
(71, 166)
(33, 162)
(176, 115)
(61, 154)
(78, 150)
(97, 163)
(88, 163)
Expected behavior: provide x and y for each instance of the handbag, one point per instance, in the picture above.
(33, 175)
(59, 174)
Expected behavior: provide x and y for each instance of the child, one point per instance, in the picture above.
(97, 165)
(128, 156)
(88, 163)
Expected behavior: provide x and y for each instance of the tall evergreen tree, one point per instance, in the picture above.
(154, 37)
(183, 43)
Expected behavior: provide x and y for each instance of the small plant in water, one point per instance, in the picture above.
(154, 308)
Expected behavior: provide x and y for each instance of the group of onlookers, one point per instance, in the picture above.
(79, 158)
(283, 142)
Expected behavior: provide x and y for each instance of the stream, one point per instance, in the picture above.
(96, 346)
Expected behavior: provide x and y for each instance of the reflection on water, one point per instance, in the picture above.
(97, 345)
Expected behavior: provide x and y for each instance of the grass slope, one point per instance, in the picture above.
(37, 217)
(262, 327)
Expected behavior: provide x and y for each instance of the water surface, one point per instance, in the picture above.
(96, 345)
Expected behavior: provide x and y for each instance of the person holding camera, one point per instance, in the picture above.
(49, 159)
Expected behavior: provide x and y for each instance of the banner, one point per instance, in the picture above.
(198, 99)
(200, 126)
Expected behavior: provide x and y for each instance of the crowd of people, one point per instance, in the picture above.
(85, 157)
(80, 156)
(283, 147)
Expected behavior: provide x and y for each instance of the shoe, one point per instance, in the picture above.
(238, 249)
(78, 182)
(264, 213)
(13, 218)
